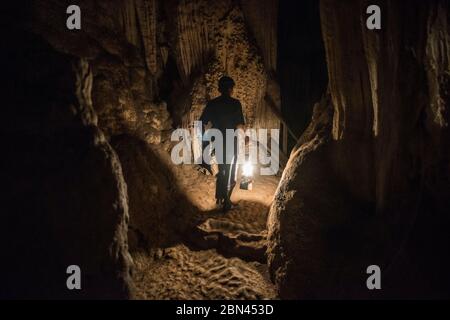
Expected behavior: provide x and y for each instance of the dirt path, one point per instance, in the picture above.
(223, 257)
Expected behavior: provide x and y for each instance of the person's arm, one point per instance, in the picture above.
(205, 118)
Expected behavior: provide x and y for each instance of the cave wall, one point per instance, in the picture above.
(262, 19)
(65, 199)
(368, 182)
(159, 210)
(119, 38)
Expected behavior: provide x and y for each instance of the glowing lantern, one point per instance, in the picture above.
(247, 174)
(247, 169)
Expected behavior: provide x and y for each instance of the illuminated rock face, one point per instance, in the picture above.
(234, 55)
(121, 40)
(212, 39)
(369, 185)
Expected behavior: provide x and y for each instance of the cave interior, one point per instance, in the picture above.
(364, 147)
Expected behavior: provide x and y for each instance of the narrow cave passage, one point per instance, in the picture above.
(92, 116)
(223, 256)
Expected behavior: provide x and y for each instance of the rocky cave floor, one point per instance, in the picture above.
(223, 257)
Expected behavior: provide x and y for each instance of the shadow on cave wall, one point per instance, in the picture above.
(160, 213)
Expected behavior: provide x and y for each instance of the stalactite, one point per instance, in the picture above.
(192, 36)
(212, 39)
(139, 24)
(129, 22)
(219, 43)
(146, 12)
(261, 17)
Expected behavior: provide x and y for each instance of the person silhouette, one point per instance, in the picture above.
(225, 112)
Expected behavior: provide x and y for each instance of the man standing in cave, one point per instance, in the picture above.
(225, 112)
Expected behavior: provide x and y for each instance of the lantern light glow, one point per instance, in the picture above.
(247, 169)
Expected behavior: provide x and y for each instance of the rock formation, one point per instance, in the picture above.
(371, 185)
(159, 211)
(212, 39)
(66, 199)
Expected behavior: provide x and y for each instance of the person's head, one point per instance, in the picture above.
(226, 85)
